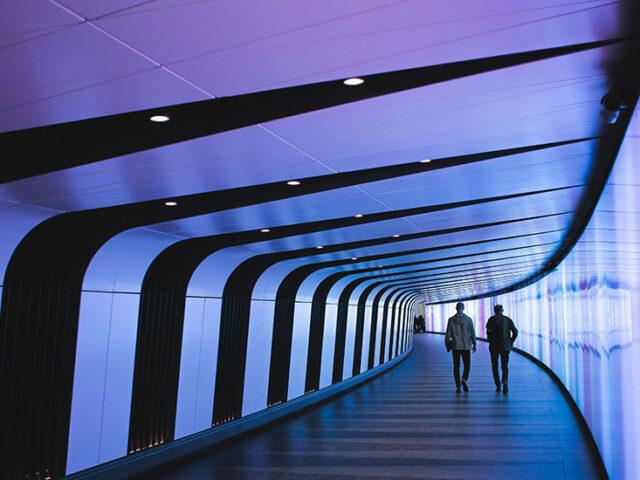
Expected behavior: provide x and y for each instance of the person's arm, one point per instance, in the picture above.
(514, 331)
(447, 334)
(473, 334)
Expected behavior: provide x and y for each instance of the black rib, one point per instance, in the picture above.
(50, 148)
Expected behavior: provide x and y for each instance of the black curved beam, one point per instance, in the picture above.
(286, 295)
(236, 301)
(40, 150)
(343, 305)
(162, 302)
(624, 79)
(361, 303)
(41, 298)
(367, 291)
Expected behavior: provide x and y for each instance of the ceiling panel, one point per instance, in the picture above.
(73, 59)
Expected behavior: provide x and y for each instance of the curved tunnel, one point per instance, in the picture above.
(268, 243)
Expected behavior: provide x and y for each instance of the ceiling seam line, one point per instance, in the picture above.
(331, 169)
(133, 49)
(202, 90)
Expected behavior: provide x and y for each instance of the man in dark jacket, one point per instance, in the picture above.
(460, 338)
(501, 333)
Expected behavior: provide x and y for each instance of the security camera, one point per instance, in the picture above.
(611, 108)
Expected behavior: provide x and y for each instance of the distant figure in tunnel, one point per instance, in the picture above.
(501, 333)
(460, 338)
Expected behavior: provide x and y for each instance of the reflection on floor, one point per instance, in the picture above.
(410, 423)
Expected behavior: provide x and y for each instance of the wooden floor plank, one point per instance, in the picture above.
(410, 423)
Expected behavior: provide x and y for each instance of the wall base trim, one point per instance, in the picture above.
(140, 462)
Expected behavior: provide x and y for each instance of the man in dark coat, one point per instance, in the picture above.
(501, 333)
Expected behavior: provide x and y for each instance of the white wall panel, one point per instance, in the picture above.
(189, 365)
(209, 279)
(309, 285)
(208, 364)
(119, 377)
(256, 380)
(121, 263)
(387, 332)
(196, 387)
(299, 349)
(89, 382)
(267, 285)
(378, 344)
(350, 342)
(328, 344)
(366, 339)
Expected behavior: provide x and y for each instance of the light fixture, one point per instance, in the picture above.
(159, 118)
(319, 247)
(426, 160)
(354, 258)
(611, 108)
(293, 182)
(353, 81)
(265, 230)
(396, 236)
(171, 204)
(358, 215)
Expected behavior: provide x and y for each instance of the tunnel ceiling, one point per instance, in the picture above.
(473, 108)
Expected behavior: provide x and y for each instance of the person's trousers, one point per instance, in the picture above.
(504, 362)
(466, 360)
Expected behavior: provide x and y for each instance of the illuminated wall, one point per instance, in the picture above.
(104, 383)
(583, 319)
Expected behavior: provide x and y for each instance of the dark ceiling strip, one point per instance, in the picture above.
(427, 286)
(162, 301)
(236, 300)
(345, 295)
(476, 276)
(374, 312)
(480, 265)
(374, 315)
(40, 150)
(604, 158)
(288, 290)
(41, 297)
(437, 288)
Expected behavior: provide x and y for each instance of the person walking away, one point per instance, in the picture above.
(460, 337)
(501, 333)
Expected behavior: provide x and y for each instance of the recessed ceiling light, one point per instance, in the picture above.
(426, 160)
(319, 246)
(171, 204)
(358, 215)
(265, 230)
(293, 182)
(354, 258)
(396, 236)
(159, 118)
(353, 81)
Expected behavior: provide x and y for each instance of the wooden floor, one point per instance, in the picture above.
(410, 423)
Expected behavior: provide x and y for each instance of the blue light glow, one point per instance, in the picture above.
(583, 319)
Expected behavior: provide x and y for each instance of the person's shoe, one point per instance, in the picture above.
(464, 386)
(497, 388)
(505, 389)
(458, 389)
